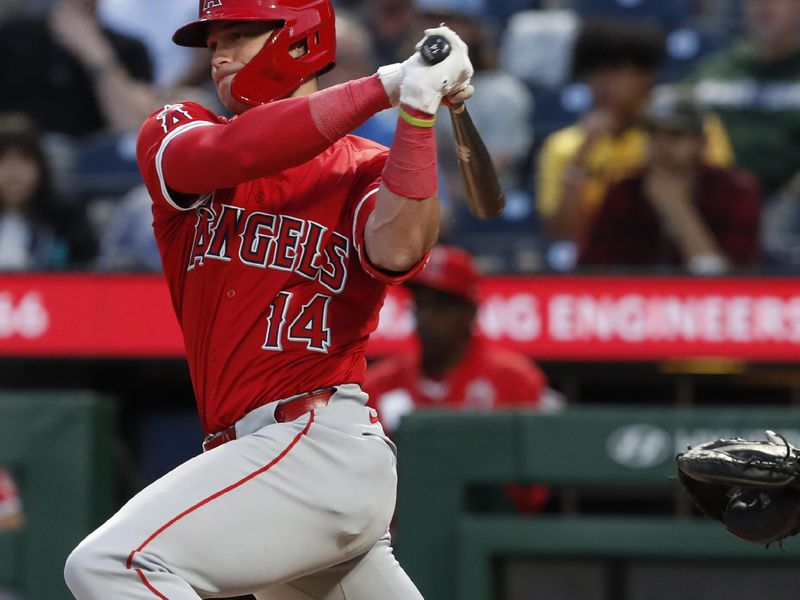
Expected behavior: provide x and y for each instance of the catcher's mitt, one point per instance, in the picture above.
(752, 487)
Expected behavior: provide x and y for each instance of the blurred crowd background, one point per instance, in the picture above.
(634, 135)
(631, 136)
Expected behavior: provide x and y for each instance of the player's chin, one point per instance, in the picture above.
(227, 99)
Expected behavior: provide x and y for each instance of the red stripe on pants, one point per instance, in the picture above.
(205, 501)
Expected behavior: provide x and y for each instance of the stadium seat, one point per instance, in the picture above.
(104, 166)
(503, 10)
(685, 47)
(28, 7)
(509, 243)
(537, 45)
(558, 109)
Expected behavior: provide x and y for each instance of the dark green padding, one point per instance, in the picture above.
(448, 551)
(60, 448)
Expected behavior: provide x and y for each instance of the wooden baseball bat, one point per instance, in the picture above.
(485, 198)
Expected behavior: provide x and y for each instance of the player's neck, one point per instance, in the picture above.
(307, 88)
(438, 364)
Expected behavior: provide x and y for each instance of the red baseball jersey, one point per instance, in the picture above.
(269, 279)
(488, 377)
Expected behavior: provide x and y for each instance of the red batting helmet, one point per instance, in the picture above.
(273, 73)
(450, 270)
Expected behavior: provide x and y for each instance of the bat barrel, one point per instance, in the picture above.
(485, 197)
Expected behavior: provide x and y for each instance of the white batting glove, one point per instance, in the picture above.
(391, 77)
(424, 86)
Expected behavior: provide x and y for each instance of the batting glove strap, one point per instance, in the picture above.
(423, 86)
(410, 170)
(419, 119)
(391, 77)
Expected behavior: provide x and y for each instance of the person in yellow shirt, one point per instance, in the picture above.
(619, 61)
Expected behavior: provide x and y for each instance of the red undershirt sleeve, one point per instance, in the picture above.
(269, 138)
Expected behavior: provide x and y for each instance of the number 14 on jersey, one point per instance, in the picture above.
(309, 327)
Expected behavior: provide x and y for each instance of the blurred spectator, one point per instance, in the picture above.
(390, 21)
(179, 73)
(127, 242)
(355, 59)
(71, 75)
(153, 22)
(536, 47)
(780, 227)
(619, 61)
(468, 18)
(35, 233)
(453, 367)
(501, 109)
(754, 87)
(678, 210)
(11, 515)
(719, 16)
(12, 8)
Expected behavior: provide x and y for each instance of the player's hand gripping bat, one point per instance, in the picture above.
(485, 197)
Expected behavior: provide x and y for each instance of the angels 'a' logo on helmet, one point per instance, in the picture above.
(209, 4)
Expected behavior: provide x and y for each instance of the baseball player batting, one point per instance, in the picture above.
(279, 233)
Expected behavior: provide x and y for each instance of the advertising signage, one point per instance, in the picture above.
(548, 318)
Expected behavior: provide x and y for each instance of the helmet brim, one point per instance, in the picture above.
(192, 35)
(195, 34)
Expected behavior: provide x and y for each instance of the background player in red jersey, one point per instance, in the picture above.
(453, 367)
(279, 233)
(11, 515)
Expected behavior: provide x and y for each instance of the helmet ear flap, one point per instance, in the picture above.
(274, 74)
(271, 74)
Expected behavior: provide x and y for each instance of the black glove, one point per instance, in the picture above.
(751, 487)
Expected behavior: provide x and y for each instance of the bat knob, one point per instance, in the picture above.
(434, 49)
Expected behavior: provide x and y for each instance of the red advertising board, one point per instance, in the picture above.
(87, 315)
(629, 318)
(549, 318)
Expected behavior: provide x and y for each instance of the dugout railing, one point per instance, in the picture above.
(451, 553)
(59, 447)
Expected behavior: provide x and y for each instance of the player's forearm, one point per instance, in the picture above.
(694, 239)
(125, 103)
(567, 222)
(405, 222)
(680, 218)
(400, 231)
(269, 138)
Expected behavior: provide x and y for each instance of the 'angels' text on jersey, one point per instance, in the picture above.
(270, 241)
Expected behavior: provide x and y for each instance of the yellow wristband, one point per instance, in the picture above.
(416, 122)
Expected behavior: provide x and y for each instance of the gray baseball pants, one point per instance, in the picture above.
(287, 511)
